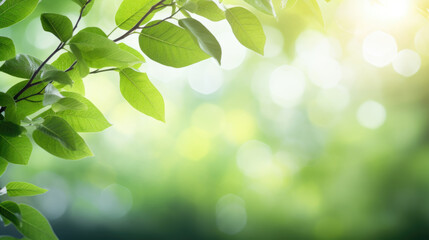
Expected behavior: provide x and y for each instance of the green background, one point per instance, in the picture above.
(235, 164)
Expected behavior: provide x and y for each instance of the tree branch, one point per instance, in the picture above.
(139, 22)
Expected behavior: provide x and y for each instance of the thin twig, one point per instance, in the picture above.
(103, 70)
(163, 20)
(139, 22)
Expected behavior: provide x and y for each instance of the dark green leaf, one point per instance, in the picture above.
(88, 120)
(10, 212)
(95, 30)
(246, 28)
(34, 225)
(81, 65)
(25, 108)
(82, 3)
(16, 189)
(131, 11)
(58, 129)
(204, 37)
(13, 11)
(141, 94)
(23, 66)
(15, 149)
(60, 135)
(57, 76)
(170, 45)
(7, 48)
(3, 166)
(58, 25)
(63, 62)
(10, 129)
(98, 51)
(7, 101)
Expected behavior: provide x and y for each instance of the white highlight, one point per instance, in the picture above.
(287, 85)
(407, 63)
(371, 114)
(421, 41)
(334, 99)
(254, 159)
(205, 77)
(324, 72)
(275, 42)
(379, 49)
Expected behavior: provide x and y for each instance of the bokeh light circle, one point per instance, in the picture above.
(379, 49)
(407, 63)
(371, 114)
(254, 158)
(231, 216)
(287, 85)
(205, 77)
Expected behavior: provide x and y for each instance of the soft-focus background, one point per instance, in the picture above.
(324, 137)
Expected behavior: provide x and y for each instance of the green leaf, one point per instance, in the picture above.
(170, 45)
(315, 8)
(246, 28)
(3, 166)
(81, 65)
(57, 76)
(63, 62)
(7, 48)
(205, 8)
(60, 130)
(58, 138)
(25, 108)
(23, 66)
(51, 96)
(57, 24)
(10, 129)
(10, 212)
(98, 51)
(95, 30)
(204, 37)
(141, 94)
(131, 11)
(10, 113)
(136, 53)
(34, 225)
(291, 3)
(264, 6)
(82, 3)
(16, 189)
(13, 11)
(15, 150)
(88, 120)
(6, 100)
(68, 104)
